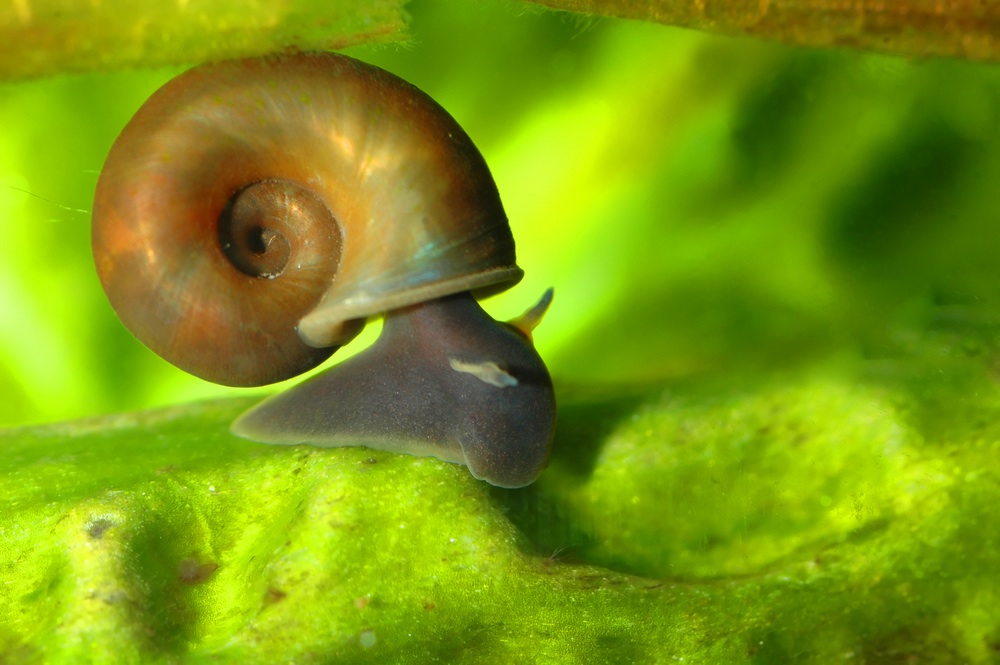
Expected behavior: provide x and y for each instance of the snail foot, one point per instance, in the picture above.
(443, 380)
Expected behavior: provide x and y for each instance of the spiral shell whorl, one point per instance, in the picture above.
(365, 194)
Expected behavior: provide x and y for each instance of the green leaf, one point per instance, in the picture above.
(902, 27)
(45, 37)
(801, 523)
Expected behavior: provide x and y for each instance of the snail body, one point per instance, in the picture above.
(439, 390)
(254, 213)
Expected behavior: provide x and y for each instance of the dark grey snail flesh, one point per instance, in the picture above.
(443, 379)
(254, 213)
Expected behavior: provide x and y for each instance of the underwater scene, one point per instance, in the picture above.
(774, 343)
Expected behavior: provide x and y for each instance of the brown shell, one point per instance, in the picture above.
(366, 193)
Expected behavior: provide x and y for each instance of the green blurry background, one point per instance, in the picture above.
(705, 207)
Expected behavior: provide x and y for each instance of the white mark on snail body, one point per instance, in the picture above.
(487, 372)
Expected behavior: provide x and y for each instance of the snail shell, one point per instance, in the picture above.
(254, 212)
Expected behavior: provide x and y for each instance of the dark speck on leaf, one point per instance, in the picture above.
(97, 528)
(371, 460)
(273, 595)
(192, 571)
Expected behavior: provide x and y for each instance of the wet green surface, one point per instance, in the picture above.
(54, 37)
(810, 522)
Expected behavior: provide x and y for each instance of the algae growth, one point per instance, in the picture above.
(804, 523)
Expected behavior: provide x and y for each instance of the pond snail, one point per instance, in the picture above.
(254, 213)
